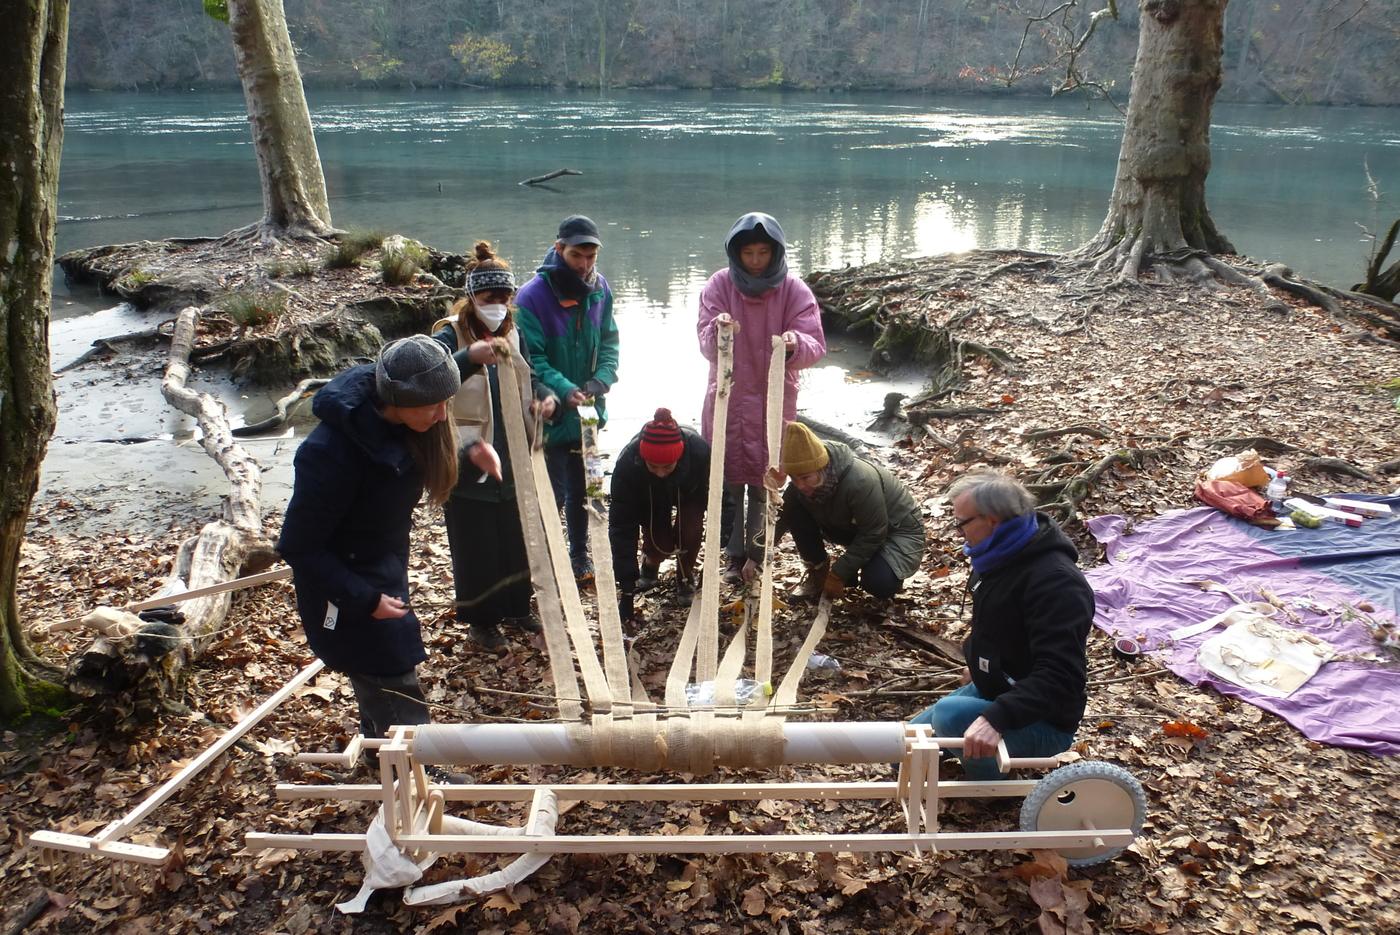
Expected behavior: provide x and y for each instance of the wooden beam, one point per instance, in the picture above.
(78, 844)
(258, 841)
(247, 581)
(756, 843)
(661, 792)
(702, 843)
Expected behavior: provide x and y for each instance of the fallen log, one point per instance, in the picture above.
(102, 345)
(822, 430)
(552, 175)
(136, 677)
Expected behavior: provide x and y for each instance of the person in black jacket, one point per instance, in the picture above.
(384, 436)
(1031, 612)
(659, 486)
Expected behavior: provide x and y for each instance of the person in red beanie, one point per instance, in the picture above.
(660, 483)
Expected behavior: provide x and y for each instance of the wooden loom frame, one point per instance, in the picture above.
(107, 843)
(414, 807)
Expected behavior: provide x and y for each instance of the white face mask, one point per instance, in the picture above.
(491, 315)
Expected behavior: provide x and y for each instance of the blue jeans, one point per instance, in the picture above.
(565, 466)
(952, 715)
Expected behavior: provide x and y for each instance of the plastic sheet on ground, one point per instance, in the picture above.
(1148, 589)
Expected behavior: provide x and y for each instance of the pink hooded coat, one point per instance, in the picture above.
(790, 306)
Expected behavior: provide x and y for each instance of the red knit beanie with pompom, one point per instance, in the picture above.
(661, 439)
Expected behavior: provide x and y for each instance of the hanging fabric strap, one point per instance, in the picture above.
(624, 726)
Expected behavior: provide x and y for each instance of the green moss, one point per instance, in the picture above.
(134, 279)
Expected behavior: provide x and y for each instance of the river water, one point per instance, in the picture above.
(852, 178)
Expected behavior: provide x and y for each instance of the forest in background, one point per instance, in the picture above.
(1275, 51)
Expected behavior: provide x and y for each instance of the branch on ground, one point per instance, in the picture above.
(551, 175)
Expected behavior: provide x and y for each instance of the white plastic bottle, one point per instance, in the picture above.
(1278, 486)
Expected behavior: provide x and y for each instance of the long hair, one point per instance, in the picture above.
(435, 453)
(484, 258)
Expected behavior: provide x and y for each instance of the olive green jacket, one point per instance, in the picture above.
(870, 512)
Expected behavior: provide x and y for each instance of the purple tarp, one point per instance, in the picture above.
(1147, 591)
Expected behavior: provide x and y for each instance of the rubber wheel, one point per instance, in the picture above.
(1100, 794)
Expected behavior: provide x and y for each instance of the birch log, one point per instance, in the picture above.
(145, 673)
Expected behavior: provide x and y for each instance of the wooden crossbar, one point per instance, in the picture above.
(106, 844)
(165, 600)
(662, 792)
(705, 843)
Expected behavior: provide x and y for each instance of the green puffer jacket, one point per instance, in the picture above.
(871, 509)
(569, 345)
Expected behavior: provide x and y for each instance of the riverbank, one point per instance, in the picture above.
(1248, 825)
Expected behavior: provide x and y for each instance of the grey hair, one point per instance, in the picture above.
(996, 496)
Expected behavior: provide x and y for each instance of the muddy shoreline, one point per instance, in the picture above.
(125, 457)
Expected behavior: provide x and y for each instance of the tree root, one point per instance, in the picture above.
(924, 416)
(105, 344)
(1279, 276)
(1257, 442)
(1337, 466)
(1072, 492)
(1130, 256)
(303, 390)
(828, 431)
(1041, 434)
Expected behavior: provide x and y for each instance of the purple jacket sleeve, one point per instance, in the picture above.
(711, 304)
(803, 317)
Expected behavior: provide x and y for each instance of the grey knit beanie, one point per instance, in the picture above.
(415, 371)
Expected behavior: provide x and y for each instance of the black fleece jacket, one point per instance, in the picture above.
(1030, 622)
(346, 531)
(637, 496)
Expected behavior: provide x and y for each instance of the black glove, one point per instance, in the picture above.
(595, 388)
(626, 606)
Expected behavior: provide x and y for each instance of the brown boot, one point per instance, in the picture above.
(811, 587)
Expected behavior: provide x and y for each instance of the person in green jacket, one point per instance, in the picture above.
(837, 497)
(565, 315)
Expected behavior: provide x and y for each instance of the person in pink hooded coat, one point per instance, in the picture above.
(758, 298)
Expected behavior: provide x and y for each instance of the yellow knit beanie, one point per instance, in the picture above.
(803, 452)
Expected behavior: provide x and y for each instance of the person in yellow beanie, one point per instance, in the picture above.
(838, 497)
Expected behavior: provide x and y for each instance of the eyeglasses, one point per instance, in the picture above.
(959, 524)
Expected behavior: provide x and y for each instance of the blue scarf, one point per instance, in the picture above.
(1010, 537)
(566, 283)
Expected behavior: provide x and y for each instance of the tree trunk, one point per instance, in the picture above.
(32, 62)
(602, 45)
(1158, 204)
(293, 186)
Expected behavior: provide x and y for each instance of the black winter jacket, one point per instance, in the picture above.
(1030, 622)
(346, 530)
(637, 495)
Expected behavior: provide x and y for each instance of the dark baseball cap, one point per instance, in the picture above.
(576, 229)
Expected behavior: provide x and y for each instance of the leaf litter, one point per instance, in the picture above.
(1250, 827)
